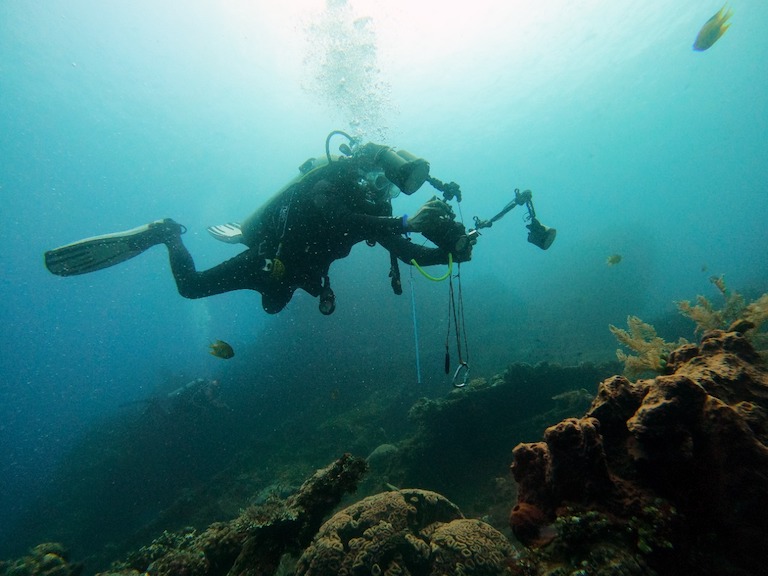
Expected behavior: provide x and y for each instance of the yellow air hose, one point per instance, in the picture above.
(428, 276)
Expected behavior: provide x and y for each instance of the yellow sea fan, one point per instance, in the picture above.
(757, 311)
(651, 350)
(702, 313)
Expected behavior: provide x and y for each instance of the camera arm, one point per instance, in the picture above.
(521, 199)
(538, 234)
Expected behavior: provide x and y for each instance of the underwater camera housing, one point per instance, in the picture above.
(448, 234)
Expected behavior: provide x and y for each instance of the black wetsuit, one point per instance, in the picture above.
(306, 228)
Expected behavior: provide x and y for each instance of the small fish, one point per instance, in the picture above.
(713, 29)
(221, 349)
(613, 259)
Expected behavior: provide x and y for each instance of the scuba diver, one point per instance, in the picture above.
(292, 240)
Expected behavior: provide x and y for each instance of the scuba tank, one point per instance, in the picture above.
(253, 227)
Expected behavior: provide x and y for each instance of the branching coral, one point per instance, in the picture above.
(652, 350)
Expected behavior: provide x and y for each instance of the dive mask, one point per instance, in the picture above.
(379, 184)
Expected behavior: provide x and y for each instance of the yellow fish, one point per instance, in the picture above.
(613, 259)
(221, 349)
(713, 29)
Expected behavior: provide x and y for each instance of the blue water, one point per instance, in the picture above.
(113, 114)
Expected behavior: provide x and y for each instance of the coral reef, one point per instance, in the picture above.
(660, 476)
(48, 559)
(414, 532)
(254, 542)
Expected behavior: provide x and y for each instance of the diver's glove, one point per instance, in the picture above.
(462, 249)
(430, 215)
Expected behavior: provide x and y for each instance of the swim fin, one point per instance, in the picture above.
(229, 233)
(99, 252)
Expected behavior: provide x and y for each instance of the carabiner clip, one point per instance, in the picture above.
(462, 366)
